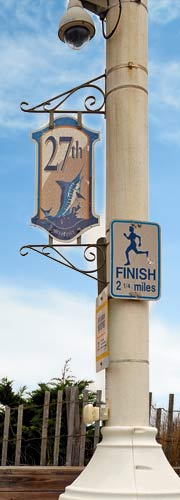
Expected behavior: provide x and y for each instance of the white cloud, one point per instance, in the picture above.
(164, 358)
(29, 14)
(29, 72)
(35, 66)
(165, 99)
(165, 83)
(164, 11)
(172, 136)
(40, 329)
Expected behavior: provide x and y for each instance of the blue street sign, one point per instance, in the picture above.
(135, 260)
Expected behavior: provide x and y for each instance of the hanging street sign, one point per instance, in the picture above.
(135, 260)
(65, 179)
(102, 345)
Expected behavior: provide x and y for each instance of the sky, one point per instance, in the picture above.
(48, 311)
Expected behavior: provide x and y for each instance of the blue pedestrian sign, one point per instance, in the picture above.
(135, 260)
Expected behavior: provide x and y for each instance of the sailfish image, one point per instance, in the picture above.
(70, 192)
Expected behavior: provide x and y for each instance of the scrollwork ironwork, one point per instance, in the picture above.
(46, 251)
(54, 104)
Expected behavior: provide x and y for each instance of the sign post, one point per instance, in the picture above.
(135, 260)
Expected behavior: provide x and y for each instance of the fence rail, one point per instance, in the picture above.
(61, 437)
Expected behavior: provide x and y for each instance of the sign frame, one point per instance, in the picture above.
(75, 213)
(134, 295)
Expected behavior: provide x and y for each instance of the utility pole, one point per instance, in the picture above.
(128, 464)
(127, 199)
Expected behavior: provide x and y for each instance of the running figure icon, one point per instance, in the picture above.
(133, 245)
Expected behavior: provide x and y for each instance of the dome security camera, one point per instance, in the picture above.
(76, 27)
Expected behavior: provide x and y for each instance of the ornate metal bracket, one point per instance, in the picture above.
(54, 104)
(89, 255)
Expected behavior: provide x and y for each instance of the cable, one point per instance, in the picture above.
(116, 25)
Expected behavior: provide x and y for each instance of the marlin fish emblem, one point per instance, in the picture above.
(70, 192)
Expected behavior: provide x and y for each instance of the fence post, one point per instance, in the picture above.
(158, 423)
(5, 436)
(150, 404)
(169, 426)
(83, 431)
(58, 427)
(19, 435)
(97, 423)
(45, 428)
(76, 433)
(70, 425)
(67, 393)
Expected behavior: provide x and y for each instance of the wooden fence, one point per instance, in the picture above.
(65, 440)
(76, 441)
(167, 422)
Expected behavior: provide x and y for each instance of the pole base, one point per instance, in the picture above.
(128, 464)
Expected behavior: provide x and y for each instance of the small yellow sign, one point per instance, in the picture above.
(102, 344)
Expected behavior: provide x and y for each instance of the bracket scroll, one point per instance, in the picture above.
(53, 252)
(54, 104)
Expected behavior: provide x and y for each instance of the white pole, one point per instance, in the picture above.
(127, 199)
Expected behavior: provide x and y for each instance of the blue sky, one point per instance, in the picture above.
(47, 311)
